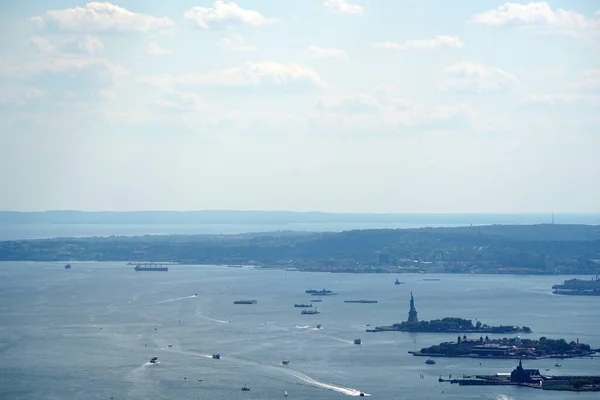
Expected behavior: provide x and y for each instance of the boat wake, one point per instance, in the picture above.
(302, 377)
(220, 321)
(302, 327)
(337, 338)
(504, 397)
(177, 299)
(329, 386)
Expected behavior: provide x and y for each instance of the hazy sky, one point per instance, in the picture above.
(328, 105)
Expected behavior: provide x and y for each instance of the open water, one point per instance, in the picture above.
(88, 333)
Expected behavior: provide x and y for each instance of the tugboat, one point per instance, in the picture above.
(216, 356)
(154, 360)
(357, 341)
(430, 361)
(245, 389)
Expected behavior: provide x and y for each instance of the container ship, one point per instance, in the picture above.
(245, 302)
(151, 267)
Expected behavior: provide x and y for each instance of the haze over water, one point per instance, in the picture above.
(90, 332)
(38, 229)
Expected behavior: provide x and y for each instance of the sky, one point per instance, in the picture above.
(406, 106)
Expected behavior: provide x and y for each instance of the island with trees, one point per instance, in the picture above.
(484, 347)
(446, 325)
(451, 325)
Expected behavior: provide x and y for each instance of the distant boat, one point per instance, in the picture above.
(285, 393)
(430, 361)
(285, 362)
(557, 365)
(68, 266)
(431, 279)
(154, 360)
(151, 267)
(398, 282)
(319, 326)
(245, 302)
(357, 341)
(310, 312)
(216, 356)
(245, 389)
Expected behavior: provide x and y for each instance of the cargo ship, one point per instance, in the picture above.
(323, 292)
(361, 301)
(151, 267)
(245, 302)
(579, 287)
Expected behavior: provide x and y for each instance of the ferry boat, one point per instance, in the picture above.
(357, 341)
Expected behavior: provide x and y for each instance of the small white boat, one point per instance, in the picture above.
(285, 393)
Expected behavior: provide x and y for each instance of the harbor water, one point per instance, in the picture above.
(90, 332)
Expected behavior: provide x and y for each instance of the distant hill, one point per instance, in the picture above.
(529, 249)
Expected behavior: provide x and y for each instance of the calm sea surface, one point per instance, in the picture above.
(89, 333)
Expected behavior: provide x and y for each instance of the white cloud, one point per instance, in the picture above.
(66, 77)
(41, 45)
(155, 50)
(438, 41)
(342, 6)
(373, 112)
(355, 104)
(86, 44)
(178, 101)
(235, 43)
(222, 13)
(561, 99)
(247, 75)
(469, 76)
(320, 52)
(19, 95)
(541, 14)
(101, 17)
(60, 65)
